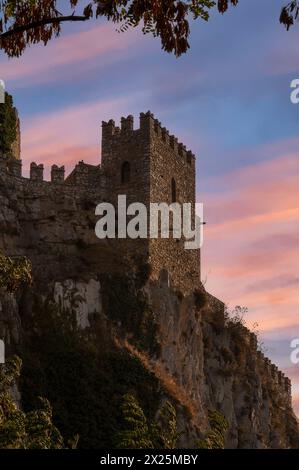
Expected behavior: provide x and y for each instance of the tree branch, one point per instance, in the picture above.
(37, 24)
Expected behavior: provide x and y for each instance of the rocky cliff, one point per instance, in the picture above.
(88, 332)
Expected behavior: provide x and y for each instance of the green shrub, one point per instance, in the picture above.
(14, 272)
(82, 374)
(20, 430)
(141, 433)
(215, 439)
(8, 125)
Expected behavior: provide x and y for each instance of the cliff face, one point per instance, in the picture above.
(218, 361)
(208, 365)
(186, 349)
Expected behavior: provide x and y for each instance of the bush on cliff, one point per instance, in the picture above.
(20, 430)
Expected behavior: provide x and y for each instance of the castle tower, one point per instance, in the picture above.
(10, 143)
(149, 166)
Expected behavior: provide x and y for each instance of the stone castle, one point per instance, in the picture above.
(147, 165)
(53, 223)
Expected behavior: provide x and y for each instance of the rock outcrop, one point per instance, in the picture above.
(184, 345)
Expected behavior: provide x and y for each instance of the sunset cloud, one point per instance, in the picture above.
(250, 254)
(71, 134)
(95, 47)
(229, 104)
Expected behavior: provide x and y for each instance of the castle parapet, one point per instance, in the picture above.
(36, 172)
(275, 376)
(127, 124)
(158, 128)
(57, 174)
(108, 128)
(151, 128)
(267, 364)
(287, 386)
(15, 167)
(281, 377)
(274, 372)
(84, 175)
(165, 136)
(174, 144)
(260, 356)
(147, 121)
(182, 151)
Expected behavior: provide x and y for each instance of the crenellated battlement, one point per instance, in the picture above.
(271, 370)
(36, 172)
(147, 164)
(10, 165)
(276, 376)
(57, 174)
(83, 174)
(148, 126)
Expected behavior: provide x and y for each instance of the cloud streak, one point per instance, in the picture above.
(68, 57)
(251, 253)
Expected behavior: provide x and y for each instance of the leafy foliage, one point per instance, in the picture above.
(140, 433)
(27, 22)
(166, 434)
(289, 14)
(8, 125)
(137, 435)
(82, 374)
(215, 439)
(14, 272)
(235, 318)
(19, 430)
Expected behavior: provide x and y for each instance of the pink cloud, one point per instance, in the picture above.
(71, 134)
(95, 47)
(251, 240)
(279, 60)
(250, 255)
(296, 403)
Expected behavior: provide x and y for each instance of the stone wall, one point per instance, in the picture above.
(172, 164)
(221, 367)
(53, 223)
(140, 163)
(155, 160)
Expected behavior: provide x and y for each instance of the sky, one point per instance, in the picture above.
(227, 99)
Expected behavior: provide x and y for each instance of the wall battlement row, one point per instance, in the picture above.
(147, 124)
(37, 173)
(274, 373)
(148, 165)
(271, 369)
(83, 174)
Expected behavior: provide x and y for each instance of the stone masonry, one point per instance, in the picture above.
(145, 164)
(53, 222)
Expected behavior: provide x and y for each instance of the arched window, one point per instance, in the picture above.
(125, 172)
(173, 190)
